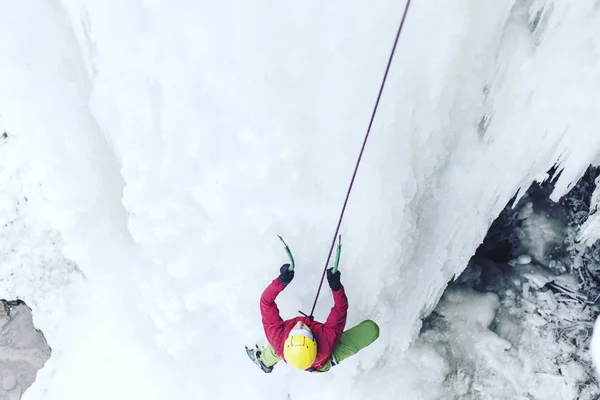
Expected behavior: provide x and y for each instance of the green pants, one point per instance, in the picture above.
(352, 341)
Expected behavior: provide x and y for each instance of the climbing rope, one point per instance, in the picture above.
(337, 229)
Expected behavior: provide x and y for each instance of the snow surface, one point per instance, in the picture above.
(161, 146)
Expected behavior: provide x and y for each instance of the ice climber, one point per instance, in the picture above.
(304, 343)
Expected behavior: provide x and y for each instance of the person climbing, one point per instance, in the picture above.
(304, 343)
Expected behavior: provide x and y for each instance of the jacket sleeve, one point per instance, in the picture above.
(271, 320)
(336, 321)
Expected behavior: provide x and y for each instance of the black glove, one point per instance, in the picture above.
(285, 275)
(334, 279)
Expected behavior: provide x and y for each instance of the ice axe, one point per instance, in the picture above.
(289, 253)
(337, 255)
(293, 263)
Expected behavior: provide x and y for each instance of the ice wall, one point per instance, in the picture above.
(174, 140)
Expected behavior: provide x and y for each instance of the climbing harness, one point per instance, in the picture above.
(337, 229)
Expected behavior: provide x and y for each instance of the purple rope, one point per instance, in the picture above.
(337, 229)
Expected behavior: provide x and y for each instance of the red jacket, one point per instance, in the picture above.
(326, 335)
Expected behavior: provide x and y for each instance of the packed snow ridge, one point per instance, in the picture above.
(163, 145)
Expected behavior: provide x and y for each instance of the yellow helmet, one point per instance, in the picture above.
(300, 349)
